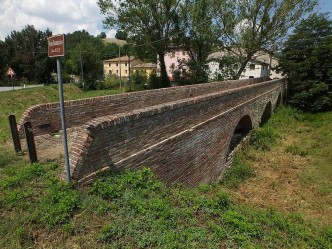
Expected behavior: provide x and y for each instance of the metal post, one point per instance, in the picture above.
(11, 79)
(15, 136)
(120, 69)
(63, 118)
(30, 142)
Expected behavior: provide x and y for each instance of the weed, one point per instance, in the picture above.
(237, 173)
(295, 150)
(262, 138)
(58, 205)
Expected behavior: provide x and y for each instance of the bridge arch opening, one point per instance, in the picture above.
(242, 129)
(266, 114)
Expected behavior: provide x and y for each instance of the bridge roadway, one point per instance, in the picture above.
(184, 134)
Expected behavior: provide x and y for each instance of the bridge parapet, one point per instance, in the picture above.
(46, 118)
(182, 141)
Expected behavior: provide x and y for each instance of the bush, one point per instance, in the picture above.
(111, 82)
(237, 173)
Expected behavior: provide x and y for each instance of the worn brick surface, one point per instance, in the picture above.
(182, 133)
(184, 141)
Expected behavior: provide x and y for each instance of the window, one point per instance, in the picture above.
(126, 64)
(173, 66)
(126, 71)
(117, 71)
(110, 71)
(251, 77)
(117, 64)
(252, 66)
(173, 54)
(109, 64)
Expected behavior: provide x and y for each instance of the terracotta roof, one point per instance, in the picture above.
(146, 65)
(122, 59)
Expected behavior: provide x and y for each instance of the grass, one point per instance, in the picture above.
(16, 102)
(272, 197)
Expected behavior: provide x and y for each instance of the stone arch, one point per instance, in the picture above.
(242, 129)
(266, 114)
(278, 100)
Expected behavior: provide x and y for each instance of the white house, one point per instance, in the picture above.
(261, 65)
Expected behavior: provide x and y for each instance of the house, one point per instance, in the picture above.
(175, 59)
(119, 66)
(262, 64)
(145, 68)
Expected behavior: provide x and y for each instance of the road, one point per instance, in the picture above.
(10, 88)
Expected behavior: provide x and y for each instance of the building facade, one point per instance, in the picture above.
(119, 66)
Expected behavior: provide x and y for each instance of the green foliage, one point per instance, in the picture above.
(139, 78)
(262, 138)
(24, 51)
(295, 150)
(58, 205)
(237, 173)
(155, 81)
(306, 60)
(252, 26)
(135, 19)
(111, 82)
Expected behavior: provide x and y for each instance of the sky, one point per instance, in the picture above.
(60, 16)
(65, 16)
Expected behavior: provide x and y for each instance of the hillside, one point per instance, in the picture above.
(277, 194)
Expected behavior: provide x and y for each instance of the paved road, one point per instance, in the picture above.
(10, 88)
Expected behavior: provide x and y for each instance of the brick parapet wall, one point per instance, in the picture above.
(46, 118)
(127, 138)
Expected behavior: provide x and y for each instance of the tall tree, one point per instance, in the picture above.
(28, 49)
(84, 56)
(4, 59)
(306, 59)
(148, 22)
(253, 25)
(200, 36)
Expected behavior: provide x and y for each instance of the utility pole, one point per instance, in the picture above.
(81, 64)
(120, 69)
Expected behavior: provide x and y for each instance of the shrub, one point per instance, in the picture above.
(237, 173)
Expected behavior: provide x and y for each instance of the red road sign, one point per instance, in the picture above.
(10, 72)
(56, 46)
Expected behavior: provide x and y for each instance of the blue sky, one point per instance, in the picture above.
(325, 6)
(67, 17)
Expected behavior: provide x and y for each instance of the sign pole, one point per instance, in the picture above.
(63, 117)
(56, 48)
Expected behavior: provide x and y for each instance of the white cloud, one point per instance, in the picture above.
(60, 16)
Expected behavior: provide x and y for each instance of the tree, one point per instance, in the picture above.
(121, 35)
(306, 59)
(102, 35)
(28, 50)
(4, 59)
(252, 25)
(200, 36)
(83, 56)
(148, 23)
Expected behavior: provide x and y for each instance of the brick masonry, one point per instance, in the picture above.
(181, 133)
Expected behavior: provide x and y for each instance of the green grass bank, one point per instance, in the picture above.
(277, 194)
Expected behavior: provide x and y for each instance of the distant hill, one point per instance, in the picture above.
(114, 40)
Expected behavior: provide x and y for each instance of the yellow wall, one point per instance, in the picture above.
(147, 71)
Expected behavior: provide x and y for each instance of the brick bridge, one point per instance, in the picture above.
(184, 134)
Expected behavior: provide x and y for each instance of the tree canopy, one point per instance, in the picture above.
(253, 25)
(148, 23)
(306, 59)
(26, 52)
